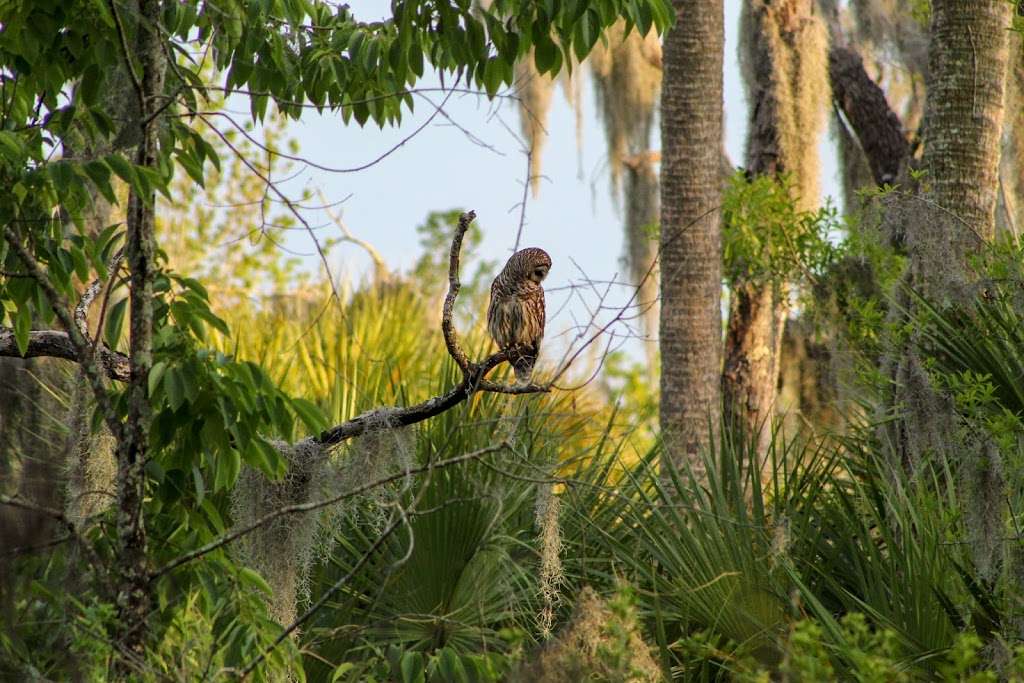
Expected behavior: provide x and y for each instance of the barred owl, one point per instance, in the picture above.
(515, 317)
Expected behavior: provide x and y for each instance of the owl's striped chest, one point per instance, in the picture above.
(516, 315)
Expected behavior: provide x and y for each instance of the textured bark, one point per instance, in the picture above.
(877, 128)
(783, 54)
(968, 58)
(57, 344)
(808, 389)
(134, 597)
(691, 247)
(1010, 214)
(753, 344)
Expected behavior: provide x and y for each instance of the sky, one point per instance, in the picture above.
(475, 161)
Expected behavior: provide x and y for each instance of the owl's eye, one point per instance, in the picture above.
(539, 272)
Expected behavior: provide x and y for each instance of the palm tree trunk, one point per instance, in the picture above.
(691, 248)
(968, 59)
(952, 218)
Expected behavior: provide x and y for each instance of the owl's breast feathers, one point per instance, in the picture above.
(516, 314)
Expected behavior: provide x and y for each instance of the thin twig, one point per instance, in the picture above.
(379, 265)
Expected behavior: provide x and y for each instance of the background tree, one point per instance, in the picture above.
(627, 83)
(784, 56)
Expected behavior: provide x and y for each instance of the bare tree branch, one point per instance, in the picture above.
(874, 124)
(380, 266)
(451, 339)
(473, 374)
(57, 344)
(90, 293)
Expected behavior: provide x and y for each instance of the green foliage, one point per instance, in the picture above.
(229, 235)
(765, 236)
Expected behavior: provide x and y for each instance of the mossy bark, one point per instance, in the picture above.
(964, 121)
(784, 49)
(133, 590)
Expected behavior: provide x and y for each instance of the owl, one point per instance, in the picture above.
(515, 316)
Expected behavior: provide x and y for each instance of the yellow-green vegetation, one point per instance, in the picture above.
(238, 494)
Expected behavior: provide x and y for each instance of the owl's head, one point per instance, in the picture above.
(530, 264)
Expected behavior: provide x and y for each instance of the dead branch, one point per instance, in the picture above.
(380, 267)
(451, 339)
(57, 344)
(874, 124)
(473, 374)
(90, 293)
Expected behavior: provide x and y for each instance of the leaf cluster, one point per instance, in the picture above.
(765, 236)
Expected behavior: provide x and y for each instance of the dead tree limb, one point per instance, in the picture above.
(874, 124)
(57, 344)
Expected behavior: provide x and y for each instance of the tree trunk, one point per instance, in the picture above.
(783, 55)
(1010, 217)
(877, 128)
(134, 597)
(753, 343)
(691, 247)
(952, 218)
(968, 58)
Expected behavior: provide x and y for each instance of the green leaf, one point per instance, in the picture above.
(342, 671)
(99, 173)
(452, 669)
(588, 29)
(200, 487)
(22, 327)
(263, 456)
(156, 373)
(545, 53)
(229, 464)
(253, 578)
(124, 170)
(115, 324)
(11, 146)
(214, 322)
(174, 387)
(492, 76)
(310, 414)
(412, 667)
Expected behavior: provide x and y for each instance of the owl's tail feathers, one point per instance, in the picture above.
(522, 360)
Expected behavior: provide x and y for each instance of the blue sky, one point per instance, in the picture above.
(441, 167)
